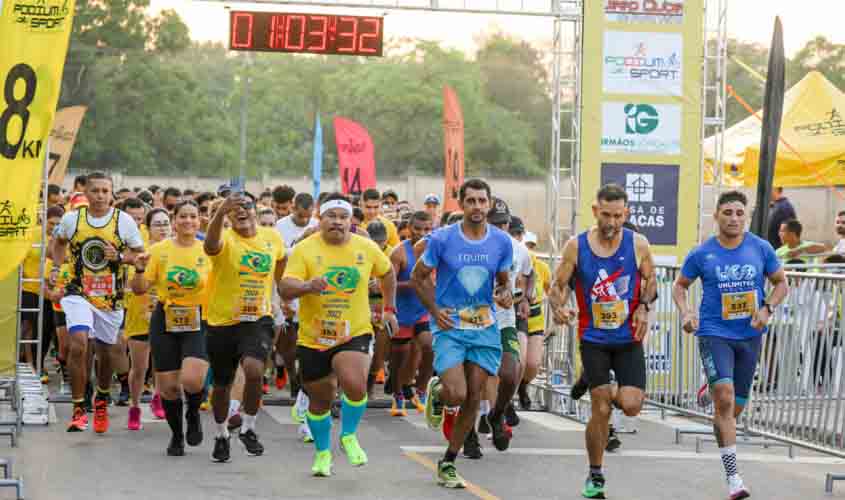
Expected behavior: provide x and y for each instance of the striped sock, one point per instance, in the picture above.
(729, 460)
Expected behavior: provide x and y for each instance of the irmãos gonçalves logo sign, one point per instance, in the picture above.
(638, 128)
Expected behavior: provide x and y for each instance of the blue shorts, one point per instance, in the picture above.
(480, 347)
(729, 361)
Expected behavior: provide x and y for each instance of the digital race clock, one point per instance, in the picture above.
(307, 33)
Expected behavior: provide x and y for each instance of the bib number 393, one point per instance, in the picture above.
(16, 107)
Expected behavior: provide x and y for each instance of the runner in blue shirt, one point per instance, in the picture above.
(468, 257)
(733, 267)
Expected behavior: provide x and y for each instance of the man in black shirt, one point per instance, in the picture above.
(780, 211)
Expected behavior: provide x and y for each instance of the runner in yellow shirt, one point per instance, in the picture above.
(178, 269)
(248, 261)
(536, 320)
(372, 207)
(330, 273)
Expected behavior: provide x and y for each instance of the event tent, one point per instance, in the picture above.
(812, 147)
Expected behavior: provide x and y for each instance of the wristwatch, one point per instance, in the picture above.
(769, 308)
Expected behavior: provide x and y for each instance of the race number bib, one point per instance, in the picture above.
(101, 285)
(739, 305)
(249, 308)
(475, 318)
(182, 319)
(610, 315)
(331, 332)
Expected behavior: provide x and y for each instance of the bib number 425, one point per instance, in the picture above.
(18, 107)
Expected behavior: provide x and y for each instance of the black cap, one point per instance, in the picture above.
(517, 226)
(377, 231)
(499, 213)
(389, 192)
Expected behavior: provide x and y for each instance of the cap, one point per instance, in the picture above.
(499, 214)
(517, 226)
(377, 231)
(223, 189)
(389, 192)
(431, 199)
(530, 238)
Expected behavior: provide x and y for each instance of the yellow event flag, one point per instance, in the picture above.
(34, 37)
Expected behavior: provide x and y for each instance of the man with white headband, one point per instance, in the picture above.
(330, 272)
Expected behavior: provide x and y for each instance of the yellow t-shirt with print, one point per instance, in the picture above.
(139, 309)
(542, 276)
(241, 286)
(342, 311)
(180, 276)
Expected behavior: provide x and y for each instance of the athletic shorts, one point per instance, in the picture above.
(170, 348)
(406, 333)
(228, 344)
(100, 325)
(626, 360)
(510, 341)
(29, 300)
(522, 325)
(315, 364)
(456, 346)
(144, 337)
(59, 318)
(729, 361)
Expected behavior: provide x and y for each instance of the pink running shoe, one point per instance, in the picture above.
(157, 407)
(134, 419)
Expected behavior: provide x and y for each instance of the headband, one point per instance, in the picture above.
(342, 204)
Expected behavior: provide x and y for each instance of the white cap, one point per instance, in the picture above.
(431, 198)
(529, 238)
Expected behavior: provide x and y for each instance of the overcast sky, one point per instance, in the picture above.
(747, 20)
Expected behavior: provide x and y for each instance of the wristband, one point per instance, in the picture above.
(647, 308)
(769, 308)
(390, 309)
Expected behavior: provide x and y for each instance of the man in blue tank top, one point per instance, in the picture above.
(469, 257)
(611, 271)
(413, 323)
(733, 267)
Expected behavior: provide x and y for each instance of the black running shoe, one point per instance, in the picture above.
(250, 441)
(524, 400)
(511, 418)
(194, 434)
(176, 448)
(483, 425)
(579, 389)
(613, 442)
(472, 448)
(501, 433)
(221, 451)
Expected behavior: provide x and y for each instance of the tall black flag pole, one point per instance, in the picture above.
(772, 117)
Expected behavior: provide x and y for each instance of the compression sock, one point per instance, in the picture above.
(484, 407)
(248, 423)
(173, 409)
(321, 429)
(234, 407)
(350, 414)
(728, 454)
(195, 400)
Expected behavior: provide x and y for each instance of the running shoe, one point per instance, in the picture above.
(221, 451)
(79, 420)
(502, 433)
(134, 423)
(380, 376)
(176, 448)
(472, 448)
(322, 464)
(449, 417)
(579, 388)
(524, 400)
(148, 389)
(448, 477)
(433, 406)
(397, 408)
(418, 403)
(305, 433)
(101, 415)
(123, 398)
(613, 441)
(356, 455)
(234, 422)
(295, 416)
(265, 386)
(250, 441)
(483, 425)
(511, 418)
(45, 378)
(594, 487)
(206, 405)
(737, 489)
(193, 435)
(156, 407)
(281, 378)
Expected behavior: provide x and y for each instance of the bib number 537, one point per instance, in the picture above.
(19, 107)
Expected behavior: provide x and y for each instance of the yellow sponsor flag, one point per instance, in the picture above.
(34, 37)
(63, 136)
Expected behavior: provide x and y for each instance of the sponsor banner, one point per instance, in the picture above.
(639, 128)
(652, 197)
(62, 137)
(644, 11)
(643, 63)
(356, 156)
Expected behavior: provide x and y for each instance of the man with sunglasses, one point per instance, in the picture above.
(248, 260)
(204, 202)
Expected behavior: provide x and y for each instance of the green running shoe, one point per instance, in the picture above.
(433, 406)
(353, 450)
(447, 475)
(295, 416)
(322, 464)
(594, 487)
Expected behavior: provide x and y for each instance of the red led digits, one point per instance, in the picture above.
(321, 31)
(277, 32)
(241, 21)
(350, 35)
(293, 42)
(373, 34)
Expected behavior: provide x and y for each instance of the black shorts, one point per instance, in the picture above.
(59, 318)
(29, 300)
(168, 349)
(315, 364)
(228, 344)
(626, 360)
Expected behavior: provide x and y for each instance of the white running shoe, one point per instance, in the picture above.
(737, 489)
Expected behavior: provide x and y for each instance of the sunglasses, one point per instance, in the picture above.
(248, 205)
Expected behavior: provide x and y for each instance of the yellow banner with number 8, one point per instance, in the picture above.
(33, 44)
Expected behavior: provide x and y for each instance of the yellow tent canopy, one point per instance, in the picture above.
(812, 147)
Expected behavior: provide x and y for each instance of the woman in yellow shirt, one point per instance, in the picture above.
(178, 269)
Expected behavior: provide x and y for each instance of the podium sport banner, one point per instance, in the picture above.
(642, 115)
(33, 44)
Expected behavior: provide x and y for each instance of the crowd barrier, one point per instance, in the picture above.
(798, 393)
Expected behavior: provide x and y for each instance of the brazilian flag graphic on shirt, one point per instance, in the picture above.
(342, 279)
(183, 277)
(255, 263)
